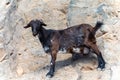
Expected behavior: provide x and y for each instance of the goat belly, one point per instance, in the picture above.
(70, 42)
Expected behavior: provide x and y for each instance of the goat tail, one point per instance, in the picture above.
(97, 26)
(93, 32)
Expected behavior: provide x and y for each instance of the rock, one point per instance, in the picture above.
(105, 29)
(115, 71)
(25, 55)
(20, 71)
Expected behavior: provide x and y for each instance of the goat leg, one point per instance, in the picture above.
(75, 56)
(52, 65)
(101, 61)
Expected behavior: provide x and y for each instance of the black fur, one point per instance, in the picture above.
(78, 36)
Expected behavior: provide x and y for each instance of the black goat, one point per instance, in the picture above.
(78, 36)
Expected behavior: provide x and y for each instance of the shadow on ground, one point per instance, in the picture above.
(82, 60)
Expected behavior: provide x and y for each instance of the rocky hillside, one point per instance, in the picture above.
(22, 57)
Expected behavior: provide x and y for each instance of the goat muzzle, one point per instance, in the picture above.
(34, 34)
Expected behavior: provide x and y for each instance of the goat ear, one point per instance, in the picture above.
(27, 26)
(44, 24)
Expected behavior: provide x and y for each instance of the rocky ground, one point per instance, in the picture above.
(21, 54)
(66, 69)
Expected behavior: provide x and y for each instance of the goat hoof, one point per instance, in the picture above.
(101, 67)
(49, 75)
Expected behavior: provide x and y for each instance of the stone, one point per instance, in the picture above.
(115, 71)
(19, 71)
(22, 53)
